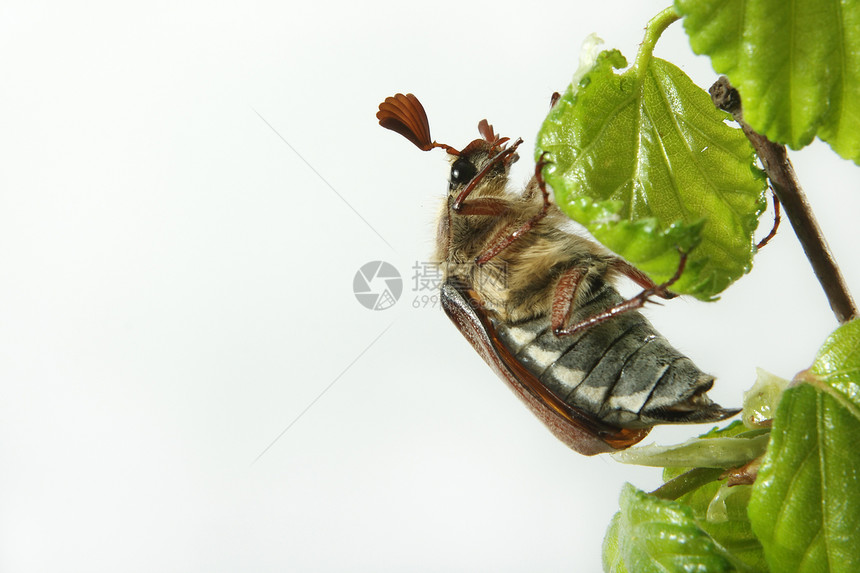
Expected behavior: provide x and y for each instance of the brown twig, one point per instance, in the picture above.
(779, 170)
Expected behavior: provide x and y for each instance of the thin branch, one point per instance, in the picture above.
(779, 170)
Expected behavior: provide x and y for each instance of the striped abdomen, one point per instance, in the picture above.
(622, 371)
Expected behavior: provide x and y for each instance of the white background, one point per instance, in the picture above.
(176, 288)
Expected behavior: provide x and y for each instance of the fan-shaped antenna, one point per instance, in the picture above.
(405, 115)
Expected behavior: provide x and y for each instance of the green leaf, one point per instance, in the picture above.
(761, 400)
(805, 506)
(734, 429)
(714, 452)
(646, 163)
(722, 511)
(656, 535)
(795, 64)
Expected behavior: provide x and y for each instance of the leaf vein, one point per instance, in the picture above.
(696, 164)
(791, 485)
(843, 101)
(666, 161)
(609, 117)
(822, 462)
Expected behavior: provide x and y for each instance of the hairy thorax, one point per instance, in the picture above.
(516, 284)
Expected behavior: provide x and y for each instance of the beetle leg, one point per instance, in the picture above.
(564, 295)
(776, 219)
(640, 278)
(634, 303)
(484, 206)
(506, 236)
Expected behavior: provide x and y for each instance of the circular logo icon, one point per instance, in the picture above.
(377, 285)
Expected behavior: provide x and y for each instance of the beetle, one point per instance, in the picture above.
(539, 306)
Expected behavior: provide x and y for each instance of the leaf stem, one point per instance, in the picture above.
(655, 28)
(784, 182)
(687, 482)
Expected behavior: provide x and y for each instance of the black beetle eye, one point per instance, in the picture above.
(462, 172)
